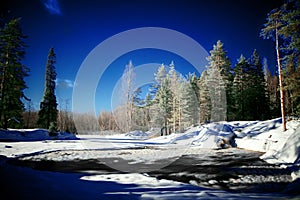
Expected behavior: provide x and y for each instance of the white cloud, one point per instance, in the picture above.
(52, 7)
(64, 83)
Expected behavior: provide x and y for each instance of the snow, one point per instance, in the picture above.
(267, 136)
(32, 135)
(215, 135)
(263, 136)
(137, 148)
(27, 183)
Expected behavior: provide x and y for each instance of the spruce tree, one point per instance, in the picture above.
(220, 80)
(204, 99)
(240, 86)
(164, 101)
(272, 85)
(258, 95)
(190, 108)
(12, 73)
(161, 108)
(48, 106)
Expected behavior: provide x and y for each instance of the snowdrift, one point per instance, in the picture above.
(263, 136)
(137, 135)
(268, 137)
(212, 136)
(16, 135)
(215, 135)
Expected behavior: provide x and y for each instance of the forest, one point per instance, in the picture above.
(225, 91)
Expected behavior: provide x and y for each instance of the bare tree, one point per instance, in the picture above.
(128, 87)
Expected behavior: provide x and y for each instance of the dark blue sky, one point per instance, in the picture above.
(75, 27)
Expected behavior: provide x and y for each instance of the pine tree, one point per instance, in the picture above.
(259, 103)
(292, 87)
(219, 81)
(12, 73)
(272, 30)
(161, 106)
(190, 108)
(204, 99)
(240, 85)
(48, 106)
(175, 92)
(291, 51)
(272, 85)
(164, 100)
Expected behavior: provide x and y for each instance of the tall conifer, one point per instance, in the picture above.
(48, 106)
(12, 73)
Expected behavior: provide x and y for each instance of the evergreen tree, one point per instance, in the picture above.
(162, 104)
(190, 108)
(291, 50)
(48, 106)
(272, 85)
(12, 73)
(164, 101)
(147, 104)
(204, 99)
(240, 85)
(258, 95)
(272, 31)
(176, 97)
(292, 87)
(249, 90)
(219, 81)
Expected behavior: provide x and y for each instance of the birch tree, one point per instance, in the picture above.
(128, 86)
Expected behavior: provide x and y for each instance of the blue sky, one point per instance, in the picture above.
(75, 27)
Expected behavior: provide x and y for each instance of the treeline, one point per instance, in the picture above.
(245, 90)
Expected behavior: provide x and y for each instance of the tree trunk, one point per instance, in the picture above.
(280, 81)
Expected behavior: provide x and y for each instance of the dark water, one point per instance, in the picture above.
(233, 170)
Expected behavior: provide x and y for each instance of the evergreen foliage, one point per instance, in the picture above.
(240, 88)
(12, 73)
(48, 106)
(219, 80)
(204, 99)
(258, 92)
(249, 90)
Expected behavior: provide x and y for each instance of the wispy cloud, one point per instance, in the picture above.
(64, 83)
(52, 6)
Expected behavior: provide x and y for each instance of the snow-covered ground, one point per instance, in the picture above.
(27, 183)
(267, 136)
(143, 152)
(12, 135)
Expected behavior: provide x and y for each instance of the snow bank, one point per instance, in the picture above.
(212, 136)
(268, 137)
(15, 135)
(289, 153)
(215, 135)
(137, 134)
